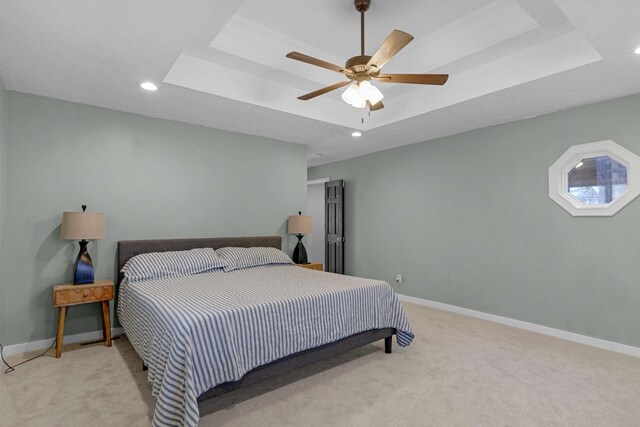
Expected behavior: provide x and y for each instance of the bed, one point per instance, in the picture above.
(204, 335)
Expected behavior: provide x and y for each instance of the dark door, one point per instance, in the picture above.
(334, 217)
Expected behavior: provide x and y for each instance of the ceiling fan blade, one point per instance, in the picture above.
(323, 90)
(421, 79)
(317, 62)
(375, 107)
(392, 45)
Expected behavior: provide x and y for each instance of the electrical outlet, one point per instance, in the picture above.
(398, 278)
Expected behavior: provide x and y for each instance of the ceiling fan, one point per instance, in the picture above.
(361, 69)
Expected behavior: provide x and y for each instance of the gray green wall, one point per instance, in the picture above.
(4, 133)
(467, 220)
(152, 179)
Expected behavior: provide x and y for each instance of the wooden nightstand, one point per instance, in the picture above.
(313, 266)
(68, 294)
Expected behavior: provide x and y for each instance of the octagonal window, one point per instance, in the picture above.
(597, 180)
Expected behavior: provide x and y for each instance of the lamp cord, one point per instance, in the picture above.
(11, 368)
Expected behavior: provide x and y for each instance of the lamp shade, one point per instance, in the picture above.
(82, 226)
(299, 224)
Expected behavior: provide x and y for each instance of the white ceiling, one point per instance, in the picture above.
(221, 63)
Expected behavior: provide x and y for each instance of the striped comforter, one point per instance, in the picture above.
(202, 330)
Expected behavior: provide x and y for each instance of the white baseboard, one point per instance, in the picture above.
(13, 350)
(16, 349)
(545, 330)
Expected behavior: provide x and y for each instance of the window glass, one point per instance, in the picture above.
(597, 180)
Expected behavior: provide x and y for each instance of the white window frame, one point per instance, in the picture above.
(559, 178)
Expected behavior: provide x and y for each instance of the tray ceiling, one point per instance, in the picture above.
(484, 46)
(222, 63)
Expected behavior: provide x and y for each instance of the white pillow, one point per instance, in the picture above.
(160, 265)
(249, 257)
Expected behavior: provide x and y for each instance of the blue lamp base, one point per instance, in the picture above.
(83, 267)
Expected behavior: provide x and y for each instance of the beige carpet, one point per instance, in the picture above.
(459, 371)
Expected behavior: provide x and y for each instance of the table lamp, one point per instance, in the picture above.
(300, 225)
(82, 226)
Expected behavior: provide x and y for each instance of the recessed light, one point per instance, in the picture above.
(356, 134)
(148, 86)
(637, 51)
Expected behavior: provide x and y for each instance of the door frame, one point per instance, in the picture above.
(318, 181)
(320, 233)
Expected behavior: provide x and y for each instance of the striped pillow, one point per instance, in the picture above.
(249, 257)
(161, 265)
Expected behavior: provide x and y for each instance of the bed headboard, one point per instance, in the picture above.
(130, 248)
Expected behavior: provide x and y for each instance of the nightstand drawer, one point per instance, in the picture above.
(69, 295)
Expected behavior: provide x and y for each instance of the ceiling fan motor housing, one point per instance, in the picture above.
(357, 63)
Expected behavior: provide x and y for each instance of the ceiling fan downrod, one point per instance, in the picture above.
(362, 6)
(358, 63)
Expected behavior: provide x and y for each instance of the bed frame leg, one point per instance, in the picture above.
(144, 367)
(387, 344)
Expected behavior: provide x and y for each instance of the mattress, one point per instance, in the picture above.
(198, 331)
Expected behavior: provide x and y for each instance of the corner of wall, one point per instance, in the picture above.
(4, 139)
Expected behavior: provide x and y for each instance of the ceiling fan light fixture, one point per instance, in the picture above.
(365, 88)
(375, 95)
(360, 103)
(351, 94)
(357, 95)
